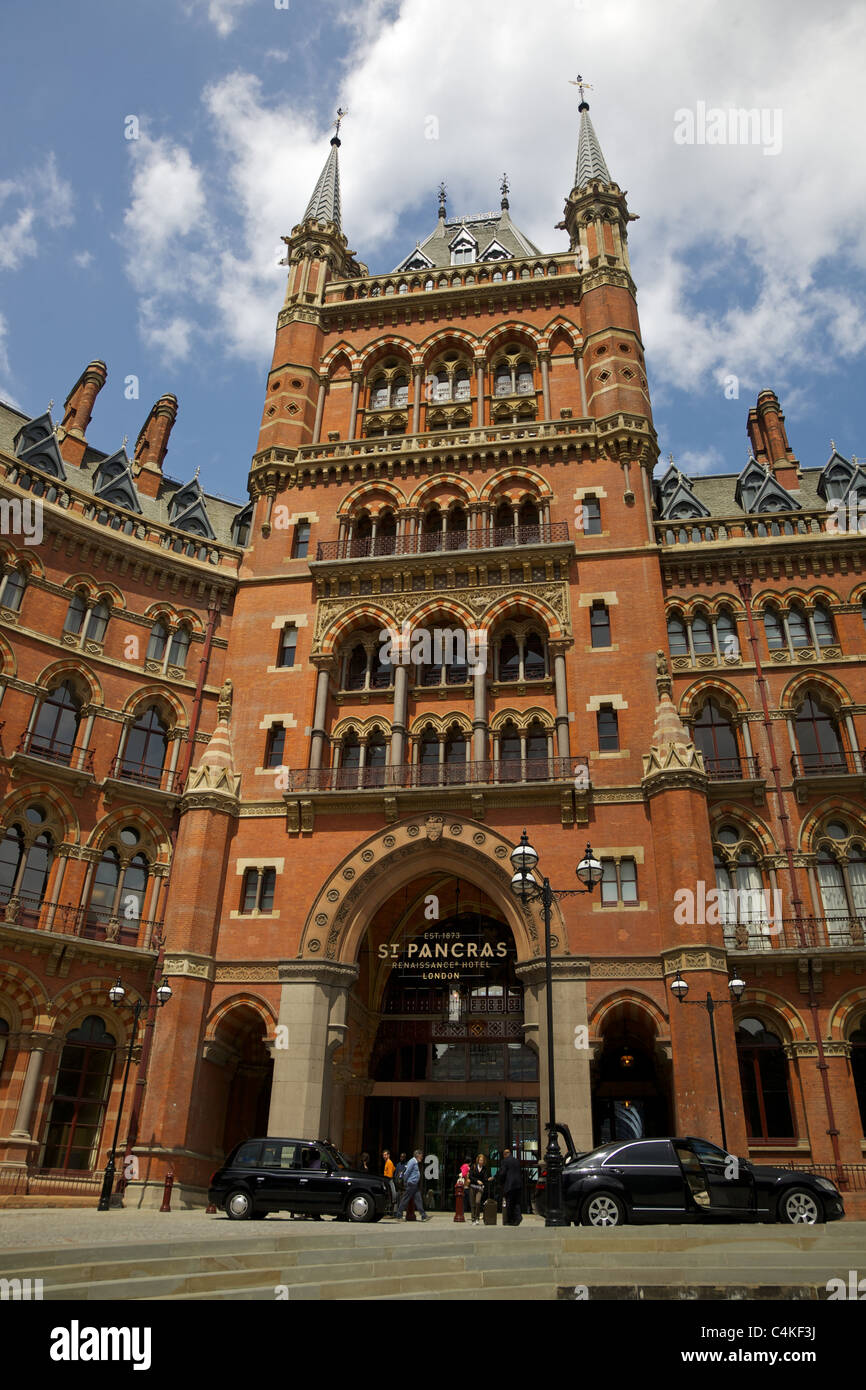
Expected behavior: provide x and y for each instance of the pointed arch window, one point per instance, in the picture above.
(377, 757)
(146, 747)
(773, 630)
(12, 590)
(81, 1091)
(798, 627)
(428, 758)
(821, 749)
(764, 1082)
(179, 647)
(702, 638)
(537, 765)
(158, 640)
(509, 753)
(75, 614)
(118, 892)
(858, 1070)
(56, 729)
(509, 658)
(534, 657)
(677, 636)
(822, 622)
(356, 671)
(714, 736)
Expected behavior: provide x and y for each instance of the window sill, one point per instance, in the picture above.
(259, 916)
(272, 670)
(611, 647)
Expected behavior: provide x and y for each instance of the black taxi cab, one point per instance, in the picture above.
(307, 1176)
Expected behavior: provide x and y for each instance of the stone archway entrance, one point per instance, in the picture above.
(333, 1009)
(237, 1079)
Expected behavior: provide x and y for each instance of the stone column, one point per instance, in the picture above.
(479, 719)
(417, 379)
(479, 388)
(39, 1043)
(560, 687)
(570, 1063)
(313, 1004)
(401, 706)
(582, 380)
(320, 407)
(353, 410)
(319, 716)
(544, 359)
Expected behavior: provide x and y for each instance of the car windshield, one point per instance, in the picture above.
(339, 1160)
(597, 1156)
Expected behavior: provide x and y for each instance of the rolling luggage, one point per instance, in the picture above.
(489, 1212)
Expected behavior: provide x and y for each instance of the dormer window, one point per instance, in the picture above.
(464, 249)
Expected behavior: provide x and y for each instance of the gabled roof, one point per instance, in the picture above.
(43, 453)
(749, 484)
(774, 498)
(114, 482)
(41, 427)
(487, 230)
(682, 503)
(837, 469)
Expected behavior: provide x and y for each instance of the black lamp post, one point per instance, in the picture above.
(680, 988)
(117, 995)
(527, 888)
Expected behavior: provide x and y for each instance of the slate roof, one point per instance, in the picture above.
(324, 206)
(485, 229)
(90, 479)
(590, 160)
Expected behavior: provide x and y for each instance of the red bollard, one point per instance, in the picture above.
(166, 1191)
(458, 1203)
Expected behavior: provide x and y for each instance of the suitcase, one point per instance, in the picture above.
(489, 1212)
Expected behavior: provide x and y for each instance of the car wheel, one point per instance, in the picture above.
(602, 1209)
(799, 1207)
(360, 1207)
(239, 1205)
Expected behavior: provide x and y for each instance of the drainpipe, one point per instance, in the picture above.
(745, 588)
(150, 1017)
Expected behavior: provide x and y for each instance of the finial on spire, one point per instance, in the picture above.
(341, 116)
(197, 467)
(124, 441)
(582, 87)
(50, 407)
(503, 189)
(442, 200)
(671, 460)
(832, 441)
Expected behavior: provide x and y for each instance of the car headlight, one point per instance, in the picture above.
(827, 1186)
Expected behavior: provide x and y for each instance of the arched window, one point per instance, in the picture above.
(381, 672)
(4, 1038)
(525, 384)
(98, 622)
(702, 638)
(158, 639)
(462, 384)
(509, 659)
(537, 768)
(56, 728)
(428, 757)
(179, 647)
(11, 854)
(502, 380)
(764, 1081)
(432, 530)
(350, 760)
(455, 756)
(377, 756)
(80, 1094)
(534, 664)
(105, 885)
(457, 529)
(822, 621)
(379, 394)
(726, 634)
(356, 670)
(509, 753)
(677, 639)
(773, 630)
(798, 627)
(75, 613)
(858, 1070)
(146, 747)
(118, 891)
(12, 590)
(529, 531)
(386, 534)
(503, 521)
(818, 739)
(714, 736)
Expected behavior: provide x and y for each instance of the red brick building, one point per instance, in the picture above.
(281, 755)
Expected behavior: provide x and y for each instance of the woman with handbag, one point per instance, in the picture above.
(479, 1182)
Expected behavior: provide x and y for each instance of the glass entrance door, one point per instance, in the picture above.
(457, 1131)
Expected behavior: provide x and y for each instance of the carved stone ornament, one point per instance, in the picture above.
(224, 703)
(434, 826)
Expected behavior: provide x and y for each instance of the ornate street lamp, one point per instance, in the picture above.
(117, 996)
(527, 888)
(680, 988)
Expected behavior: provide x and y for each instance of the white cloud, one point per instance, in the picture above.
(39, 196)
(696, 462)
(83, 259)
(223, 14)
(741, 260)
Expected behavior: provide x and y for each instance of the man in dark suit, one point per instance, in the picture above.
(511, 1179)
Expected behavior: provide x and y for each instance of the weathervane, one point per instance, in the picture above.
(341, 116)
(583, 86)
(503, 188)
(442, 199)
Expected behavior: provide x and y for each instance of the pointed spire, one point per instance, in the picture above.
(504, 190)
(324, 206)
(590, 160)
(443, 204)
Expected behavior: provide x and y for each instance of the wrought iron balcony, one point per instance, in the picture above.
(158, 779)
(66, 919)
(839, 764)
(788, 933)
(489, 538)
(71, 755)
(732, 769)
(410, 775)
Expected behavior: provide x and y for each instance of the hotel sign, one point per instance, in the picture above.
(445, 955)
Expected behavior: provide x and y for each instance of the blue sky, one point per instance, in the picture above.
(159, 254)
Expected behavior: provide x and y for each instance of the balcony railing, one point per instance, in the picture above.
(73, 755)
(839, 764)
(409, 775)
(489, 538)
(732, 769)
(90, 923)
(787, 933)
(144, 774)
(758, 527)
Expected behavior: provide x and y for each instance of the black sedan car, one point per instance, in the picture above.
(298, 1175)
(679, 1180)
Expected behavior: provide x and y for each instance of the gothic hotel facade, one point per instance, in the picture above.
(211, 771)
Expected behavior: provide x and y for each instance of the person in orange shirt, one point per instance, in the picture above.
(388, 1170)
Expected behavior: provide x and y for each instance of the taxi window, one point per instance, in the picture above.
(276, 1155)
(247, 1156)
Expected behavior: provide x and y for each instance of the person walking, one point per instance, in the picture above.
(389, 1170)
(479, 1183)
(412, 1179)
(511, 1178)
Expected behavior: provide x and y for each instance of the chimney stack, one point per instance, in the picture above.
(78, 408)
(151, 446)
